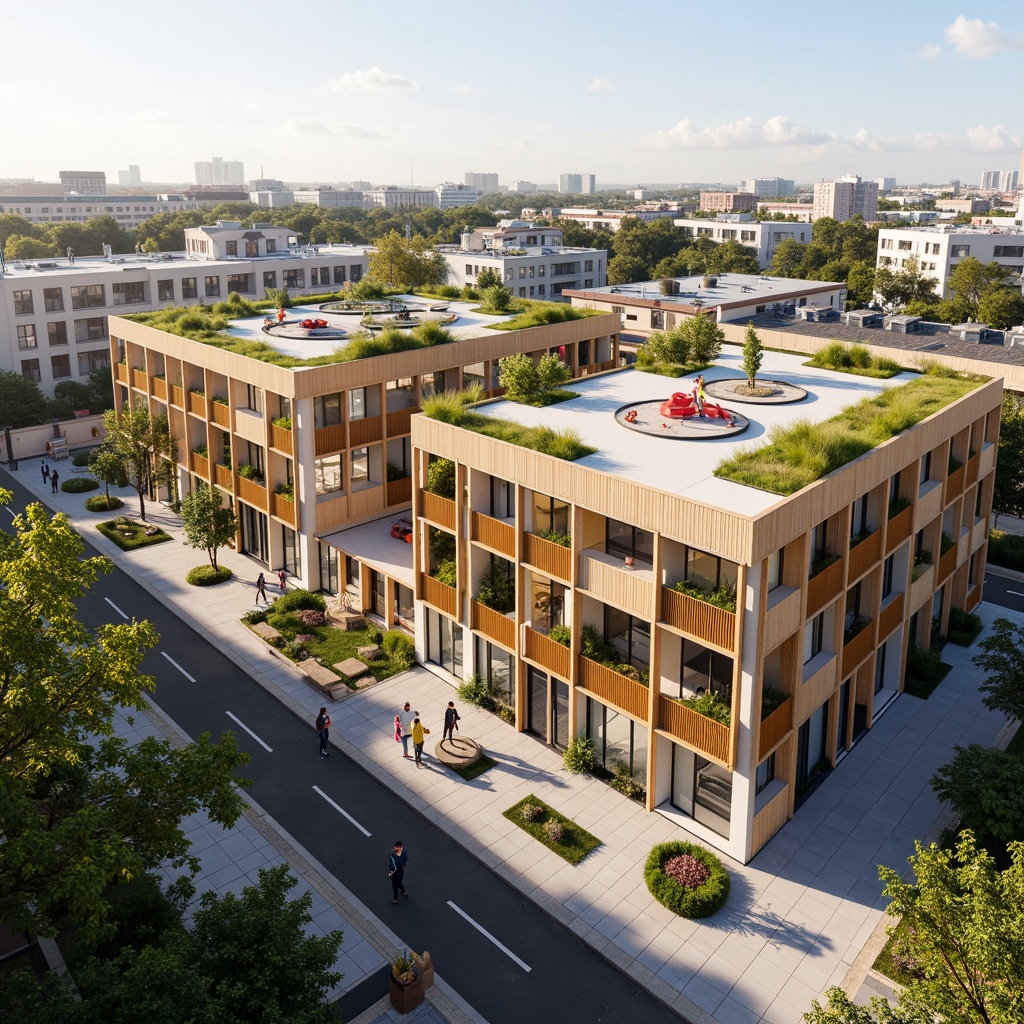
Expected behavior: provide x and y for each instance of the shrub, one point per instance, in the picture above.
(555, 830)
(295, 600)
(284, 422)
(296, 649)
(374, 636)
(496, 590)
(441, 478)
(687, 891)
(964, 627)
(284, 622)
(399, 647)
(100, 503)
(207, 576)
(254, 615)
(79, 484)
(563, 540)
(81, 458)
(561, 635)
(721, 597)
(311, 616)
(1006, 549)
(474, 691)
(578, 756)
(623, 782)
(710, 705)
(531, 812)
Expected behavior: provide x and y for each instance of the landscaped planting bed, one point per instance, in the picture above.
(687, 879)
(129, 534)
(554, 830)
(79, 485)
(100, 503)
(207, 576)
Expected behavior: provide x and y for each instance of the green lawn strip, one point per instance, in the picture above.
(478, 767)
(859, 371)
(129, 536)
(671, 369)
(923, 688)
(889, 963)
(576, 844)
(540, 315)
(547, 398)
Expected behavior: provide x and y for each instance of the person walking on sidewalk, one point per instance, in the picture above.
(405, 718)
(451, 721)
(323, 730)
(54, 477)
(45, 470)
(419, 735)
(261, 588)
(396, 871)
(281, 578)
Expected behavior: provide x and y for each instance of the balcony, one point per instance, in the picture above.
(547, 653)
(699, 619)
(864, 554)
(954, 484)
(140, 380)
(282, 439)
(160, 388)
(398, 422)
(399, 492)
(824, 587)
(890, 616)
(440, 511)
(329, 439)
(972, 471)
(200, 465)
(284, 508)
(442, 597)
(858, 647)
(697, 731)
(947, 563)
(550, 558)
(493, 533)
(365, 501)
(624, 693)
(121, 372)
(774, 728)
(606, 577)
(899, 528)
(177, 396)
(197, 404)
(494, 625)
(222, 476)
(363, 432)
(221, 414)
(252, 492)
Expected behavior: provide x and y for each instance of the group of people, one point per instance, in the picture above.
(50, 476)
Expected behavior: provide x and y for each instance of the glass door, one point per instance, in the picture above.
(537, 702)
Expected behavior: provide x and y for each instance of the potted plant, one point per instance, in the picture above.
(405, 983)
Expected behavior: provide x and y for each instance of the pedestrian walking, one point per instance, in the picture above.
(71, 256)
(451, 721)
(45, 470)
(396, 871)
(323, 730)
(419, 735)
(54, 477)
(261, 588)
(405, 719)
(281, 578)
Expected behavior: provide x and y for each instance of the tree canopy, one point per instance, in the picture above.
(1001, 655)
(1008, 492)
(208, 522)
(142, 443)
(413, 263)
(21, 401)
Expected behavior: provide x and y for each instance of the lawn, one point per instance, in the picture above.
(478, 767)
(128, 534)
(576, 842)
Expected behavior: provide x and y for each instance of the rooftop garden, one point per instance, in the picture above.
(854, 359)
(539, 314)
(694, 345)
(797, 455)
(454, 407)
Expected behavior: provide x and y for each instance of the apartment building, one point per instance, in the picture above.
(450, 194)
(577, 184)
(325, 196)
(326, 448)
(769, 188)
(832, 584)
(845, 198)
(762, 236)
(485, 181)
(797, 211)
(219, 171)
(522, 185)
(391, 197)
(53, 314)
(128, 211)
(727, 202)
(83, 183)
(542, 272)
(611, 220)
(510, 234)
(998, 181)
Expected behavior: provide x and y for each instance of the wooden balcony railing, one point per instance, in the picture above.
(698, 618)
(973, 597)
(121, 372)
(197, 404)
(774, 727)
(365, 431)
(899, 528)
(972, 471)
(441, 596)
(252, 492)
(890, 616)
(398, 422)
(177, 396)
(160, 388)
(140, 380)
(284, 509)
(222, 475)
(610, 581)
(865, 554)
(626, 694)
(399, 492)
(547, 653)
(200, 465)
(221, 414)
(947, 563)
(823, 587)
(282, 439)
(499, 628)
(858, 648)
(697, 731)
(954, 485)
(493, 533)
(329, 439)
(437, 509)
(550, 558)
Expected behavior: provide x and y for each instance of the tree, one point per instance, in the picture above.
(518, 376)
(80, 807)
(22, 247)
(140, 442)
(1002, 657)
(1001, 308)
(208, 522)
(787, 258)
(899, 287)
(488, 278)
(411, 262)
(552, 373)
(842, 1010)
(23, 404)
(68, 396)
(704, 336)
(753, 354)
(105, 465)
(1008, 492)
(970, 280)
(860, 284)
(495, 299)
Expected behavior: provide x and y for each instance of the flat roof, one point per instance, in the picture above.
(686, 467)
(373, 544)
(519, 252)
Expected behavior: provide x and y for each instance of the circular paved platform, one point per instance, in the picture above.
(459, 752)
(291, 329)
(409, 319)
(690, 428)
(780, 392)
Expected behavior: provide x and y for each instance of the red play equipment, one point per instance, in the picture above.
(401, 529)
(310, 325)
(681, 405)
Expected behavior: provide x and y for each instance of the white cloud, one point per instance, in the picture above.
(974, 38)
(465, 90)
(993, 140)
(929, 51)
(153, 117)
(743, 134)
(373, 80)
(602, 85)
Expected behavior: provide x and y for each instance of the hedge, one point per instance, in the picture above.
(79, 484)
(99, 503)
(702, 901)
(207, 576)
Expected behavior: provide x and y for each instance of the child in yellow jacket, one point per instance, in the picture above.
(419, 732)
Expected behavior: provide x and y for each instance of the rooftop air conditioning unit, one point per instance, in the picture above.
(46, 266)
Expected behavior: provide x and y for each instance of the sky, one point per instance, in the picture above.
(661, 92)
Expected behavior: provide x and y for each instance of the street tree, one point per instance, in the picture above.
(81, 807)
(1008, 492)
(841, 1009)
(22, 404)
(1001, 655)
(142, 443)
(208, 522)
(753, 354)
(105, 465)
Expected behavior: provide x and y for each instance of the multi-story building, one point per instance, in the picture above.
(391, 197)
(510, 234)
(831, 584)
(450, 194)
(485, 181)
(541, 272)
(577, 184)
(132, 177)
(83, 183)
(769, 188)
(763, 236)
(998, 181)
(798, 211)
(845, 198)
(272, 197)
(326, 447)
(522, 186)
(885, 184)
(939, 248)
(727, 202)
(609, 220)
(53, 314)
(324, 195)
(128, 211)
(219, 171)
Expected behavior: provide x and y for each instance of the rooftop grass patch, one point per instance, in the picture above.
(454, 407)
(540, 314)
(804, 452)
(554, 830)
(129, 534)
(854, 359)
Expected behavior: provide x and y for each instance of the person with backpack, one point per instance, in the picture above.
(323, 730)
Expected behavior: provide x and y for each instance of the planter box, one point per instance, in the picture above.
(890, 616)
(365, 431)
(221, 414)
(864, 555)
(441, 596)
(947, 563)
(498, 627)
(282, 439)
(200, 465)
(899, 528)
(493, 533)
(222, 476)
(440, 511)
(398, 422)
(858, 648)
(329, 439)
(699, 619)
(824, 587)
(140, 380)
(954, 484)
(550, 558)
(284, 509)
(697, 731)
(252, 492)
(553, 656)
(197, 405)
(626, 694)
(121, 372)
(405, 998)
(160, 389)
(774, 728)
(177, 396)
(972, 471)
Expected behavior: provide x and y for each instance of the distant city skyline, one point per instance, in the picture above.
(425, 105)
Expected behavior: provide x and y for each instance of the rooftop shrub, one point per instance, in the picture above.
(539, 314)
(854, 359)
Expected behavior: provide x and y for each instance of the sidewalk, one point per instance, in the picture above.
(799, 914)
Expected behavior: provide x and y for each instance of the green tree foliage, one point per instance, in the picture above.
(497, 587)
(704, 336)
(105, 465)
(441, 478)
(495, 298)
(23, 247)
(789, 255)
(1001, 308)
(753, 354)
(413, 262)
(898, 288)
(640, 245)
(1008, 492)
(208, 522)
(80, 807)
(22, 404)
(841, 1009)
(488, 278)
(971, 279)
(552, 372)
(1001, 655)
(524, 381)
(142, 443)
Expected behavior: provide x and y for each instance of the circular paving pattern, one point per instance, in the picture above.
(685, 428)
(294, 329)
(459, 752)
(780, 392)
(407, 318)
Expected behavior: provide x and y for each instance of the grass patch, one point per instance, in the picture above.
(129, 534)
(804, 452)
(539, 314)
(892, 961)
(575, 842)
(854, 359)
(545, 398)
(478, 767)
(100, 503)
(670, 369)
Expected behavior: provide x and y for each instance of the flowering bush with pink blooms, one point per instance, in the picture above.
(555, 830)
(687, 879)
(311, 617)
(686, 870)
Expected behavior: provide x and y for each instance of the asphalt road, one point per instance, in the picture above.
(1002, 591)
(498, 951)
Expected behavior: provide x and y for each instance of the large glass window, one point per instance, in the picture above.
(444, 642)
(548, 603)
(27, 336)
(295, 278)
(709, 571)
(360, 466)
(618, 740)
(405, 604)
(92, 329)
(503, 498)
(128, 292)
(53, 300)
(496, 667)
(23, 305)
(630, 542)
(211, 285)
(630, 636)
(30, 370)
(165, 291)
(292, 551)
(765, 773)
(775, 565)
(701, 670)
(814, 637)
(328, 568)
(60, 366)
(549, 514)
(87, 295)
(328, 474)
(327, 410)
(239, 283)
(189, 288)
(269, 279)
(57, 332)
(357, 403)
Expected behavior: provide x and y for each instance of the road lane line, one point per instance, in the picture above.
(341, 811)
(191, 679)
(14, 515)
(116, 609)
(487, 935)
(234, 718)
(1016, 593)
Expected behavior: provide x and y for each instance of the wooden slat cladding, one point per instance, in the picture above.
(699, 619)
(200, 465)
(858, 648)
(160, 389)
(954, 484)
(972, 470)
(547, 653)
(399, 491)
(890, 617)
(438, 510)
(140, 380)
(493, 534)
(365, 431)
(499, 628)
(973, 598)
(366, 502)
(252, 492)
(221, 414)
(177, 396)
(824, 587)
(284, 509)
(899, 528)
(774, 728)
(398, 422)
(443, 598)
(616, 586)
(947, 563)
(329, 439)
(623, 693)
(197, 404)
(222, 475)
(121, 372)
(697, 731)
(282, 439)
(550, 558)
(770, 819)
(864, 555)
